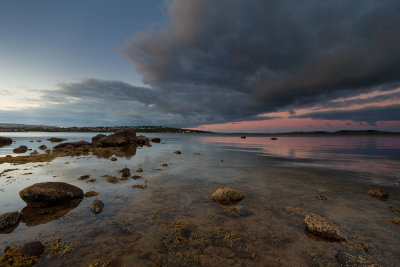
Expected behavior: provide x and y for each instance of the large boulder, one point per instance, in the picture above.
(5, 141)
(320, 226)
(8, 221)
(120, 138)
(20, 149)
(50, 193)
(227, 196)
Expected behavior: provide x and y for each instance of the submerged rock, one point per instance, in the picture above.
(320, 226)
(35, 248)
(347, 259)
(56, 139)
(97, 206)
(379, 193)
(5, 141)
(50, 193)
(9, 221)
(227, 196)
(33, 216)
(20, 149)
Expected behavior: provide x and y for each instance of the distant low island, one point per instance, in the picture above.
(9, 127)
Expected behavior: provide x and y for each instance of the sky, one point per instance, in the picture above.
(217, 65)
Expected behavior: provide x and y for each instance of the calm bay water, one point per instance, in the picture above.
(281, 179)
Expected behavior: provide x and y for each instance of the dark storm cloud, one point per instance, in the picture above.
(230, 60)
(369, 115)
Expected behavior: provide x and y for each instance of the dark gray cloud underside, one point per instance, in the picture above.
(235, 58)
(369, 114)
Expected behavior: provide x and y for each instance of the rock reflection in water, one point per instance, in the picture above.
(35, 216)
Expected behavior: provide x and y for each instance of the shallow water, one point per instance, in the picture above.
(172, 222)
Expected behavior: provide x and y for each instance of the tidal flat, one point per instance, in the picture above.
(161, 213)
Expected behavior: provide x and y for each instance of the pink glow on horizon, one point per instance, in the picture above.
(295, 124)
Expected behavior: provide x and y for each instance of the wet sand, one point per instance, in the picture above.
(172, 222)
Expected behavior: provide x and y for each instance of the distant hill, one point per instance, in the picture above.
(10, 127)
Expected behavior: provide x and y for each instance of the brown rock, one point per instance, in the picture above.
(352, 259)
(120, 138)
(8, 220)
(178, 152)
(43, 147)
(320, 226)
(56, 139)
(91, 194)
(5, 141)
(156, 140)
(139, 170)
(50, 193)
(379, 193)
(20, 149)
(97, 206)
(125, 172)
(227, 196)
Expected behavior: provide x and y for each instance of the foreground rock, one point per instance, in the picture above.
(320, 226)
(97, 206)
(9, 221)
(35, 248)
(379, 193)
(20, 149)
(347, 259)
(227, 196)
(50, 193)
(56, 139)
(5, 141)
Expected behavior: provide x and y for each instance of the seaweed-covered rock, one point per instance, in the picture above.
(379, 193)
(8, 220)
(35, 248)
(227, 196)
(71, 145)
(50, 193)
(320, 226)
(20, 149)
(347, 259)
(5, 141)
(97, 206)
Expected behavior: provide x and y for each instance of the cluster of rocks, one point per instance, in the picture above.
(46, 202)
